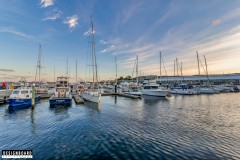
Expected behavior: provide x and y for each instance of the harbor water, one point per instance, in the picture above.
(178, 127)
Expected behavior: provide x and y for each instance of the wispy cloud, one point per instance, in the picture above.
(88, 32)
(6, 70)
(110, 48)
(71, 21)
(46, 3)
(20, 34)
(53, 15)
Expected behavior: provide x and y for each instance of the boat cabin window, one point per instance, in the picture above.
(154, 87)
(15, 92)
(24, 92)
(147, 87)
(151, 87)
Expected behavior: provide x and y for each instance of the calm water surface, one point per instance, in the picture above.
(179, 127)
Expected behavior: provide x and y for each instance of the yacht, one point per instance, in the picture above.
(154, 90)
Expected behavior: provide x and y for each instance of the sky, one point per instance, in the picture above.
(123, 29)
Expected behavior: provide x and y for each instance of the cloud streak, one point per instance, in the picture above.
(20, 34)
(6, 70)
(53, 15)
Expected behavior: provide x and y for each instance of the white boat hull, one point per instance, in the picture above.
(156, 93)
(184, 92)
(207, 91)
(92, 96)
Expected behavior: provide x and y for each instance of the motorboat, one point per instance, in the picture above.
(22, 97)
(154, 90)
(62, 94)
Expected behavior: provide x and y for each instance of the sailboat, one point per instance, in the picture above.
(208, 89)
(42, 88)
(93, 94)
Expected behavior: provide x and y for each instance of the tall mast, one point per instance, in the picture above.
(177, 68)
(182, 72)
(94, 55)
(198, 64)
(174, 70)
(206, 69)
(116, 68)
(137, 70)
(76, 71)
(67, 68)
(160, 65)
(39, 66)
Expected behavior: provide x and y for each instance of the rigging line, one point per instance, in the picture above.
(134, 67)
(164, 68)
(205, 71)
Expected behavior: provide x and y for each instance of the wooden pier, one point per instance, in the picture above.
(78, 99)
(121, 94)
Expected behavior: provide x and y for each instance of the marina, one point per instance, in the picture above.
(187, 127)
(120, 80)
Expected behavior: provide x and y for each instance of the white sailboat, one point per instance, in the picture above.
(206, 89)
(93, 94)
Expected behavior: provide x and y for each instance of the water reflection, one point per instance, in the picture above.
(92, 105)
(60, 109)
(151, 100)
(12, 110)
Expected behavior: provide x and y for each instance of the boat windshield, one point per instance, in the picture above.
(151, 87)
(15, 92)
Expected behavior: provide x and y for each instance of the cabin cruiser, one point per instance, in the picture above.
(62, 95)
(154, 90)
(22, 97)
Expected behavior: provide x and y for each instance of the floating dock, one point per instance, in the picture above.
(121, 94)
(78, 99)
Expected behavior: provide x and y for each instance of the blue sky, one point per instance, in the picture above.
(123, 28)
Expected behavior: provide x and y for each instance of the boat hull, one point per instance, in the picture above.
(60, 101)
(184, 92)
(15, 102)
(91, 98)
(156, 93)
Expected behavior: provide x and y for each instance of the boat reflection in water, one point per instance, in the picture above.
(93, 105)
(12, 109)
(152, 99)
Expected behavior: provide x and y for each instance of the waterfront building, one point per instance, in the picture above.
(202, 79)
